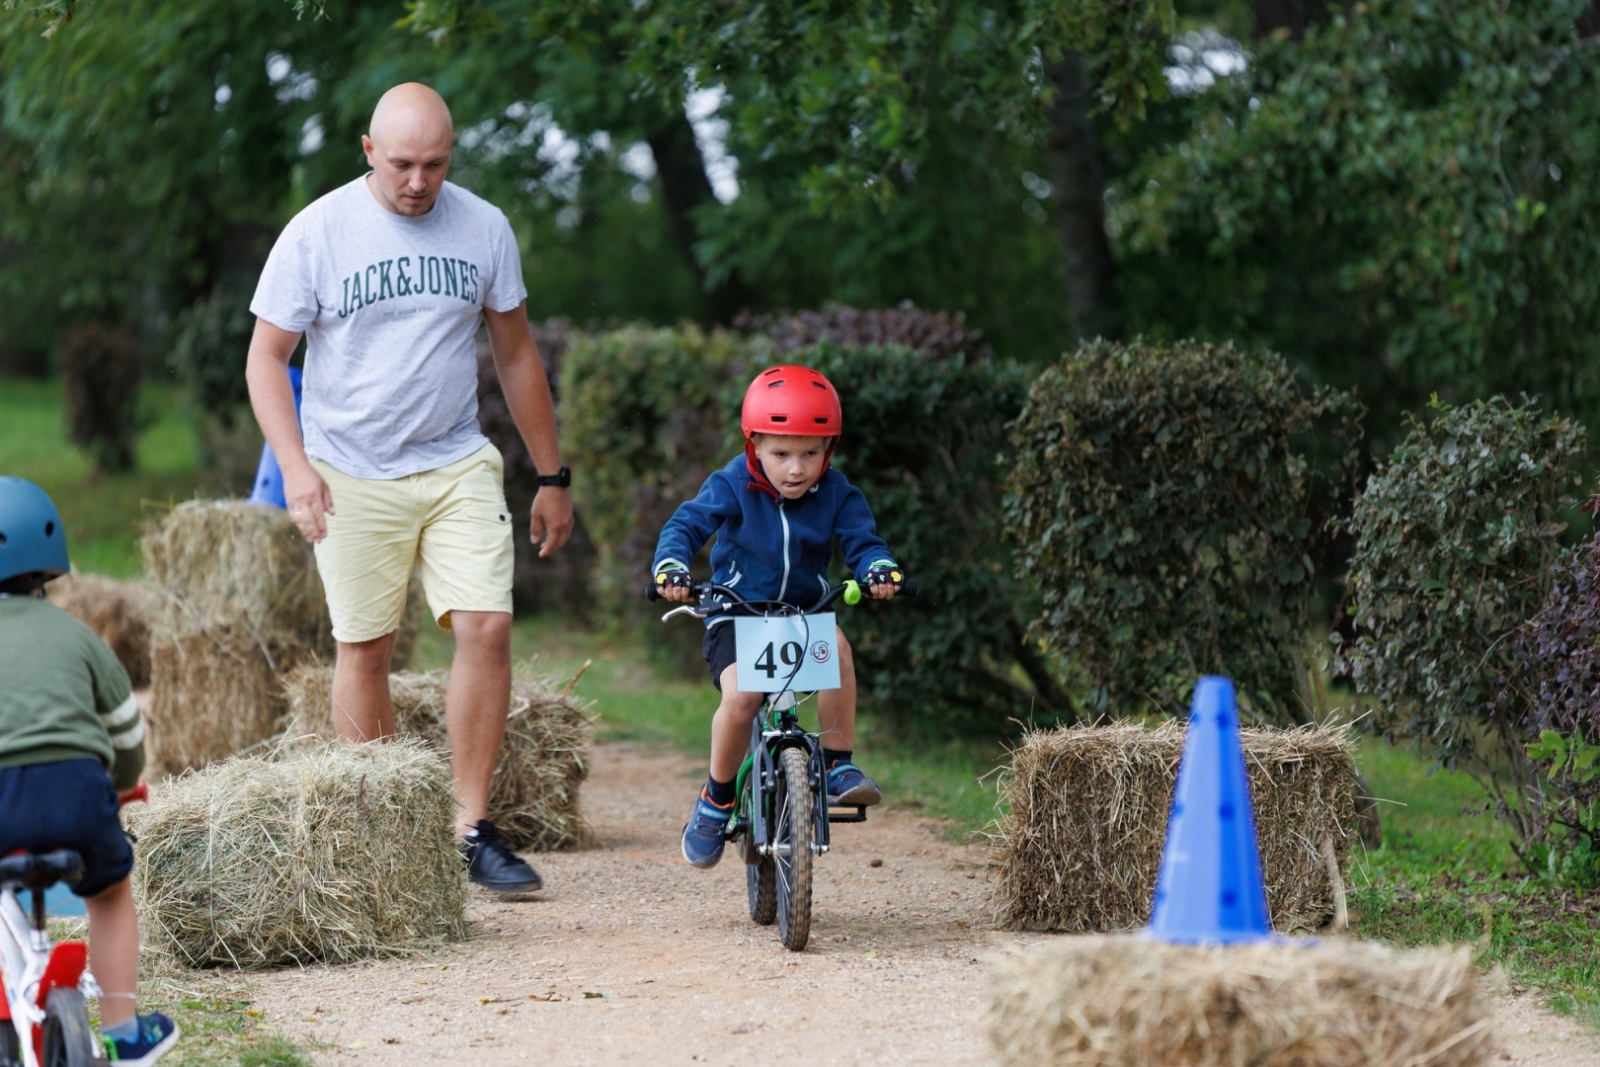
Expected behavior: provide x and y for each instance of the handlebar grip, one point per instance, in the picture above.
(138, 792)
(908, 589)
(650, 591)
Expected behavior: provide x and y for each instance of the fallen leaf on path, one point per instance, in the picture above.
(544, 997)
(488, 1000)
(356, 1044)
(593, 994)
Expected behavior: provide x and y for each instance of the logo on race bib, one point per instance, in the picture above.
(821, 651)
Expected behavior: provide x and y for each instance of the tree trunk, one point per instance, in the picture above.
(1080, 190)
(1293, 17)
(1589, 21)
(684, 187)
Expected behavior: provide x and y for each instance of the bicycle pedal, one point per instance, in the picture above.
(847, 815)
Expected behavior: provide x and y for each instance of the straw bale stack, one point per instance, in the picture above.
(241, 605)
(119, 613)
(326, 853)
(544, 759)
(1121, 1001)
(1081, 843)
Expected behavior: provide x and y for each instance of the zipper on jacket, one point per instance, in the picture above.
(784, 587)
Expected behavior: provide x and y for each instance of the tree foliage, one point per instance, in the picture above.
(1456, 535)
(1400, 199)
(1162, 503)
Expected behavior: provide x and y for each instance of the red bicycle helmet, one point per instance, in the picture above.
(793, 401)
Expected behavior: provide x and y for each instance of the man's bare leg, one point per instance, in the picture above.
(476, 706)
(362, 708)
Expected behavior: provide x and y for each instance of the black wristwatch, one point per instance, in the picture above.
(560, 480)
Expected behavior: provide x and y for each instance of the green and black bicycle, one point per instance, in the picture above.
(782, 821)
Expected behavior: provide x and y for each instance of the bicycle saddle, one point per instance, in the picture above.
(41, 870)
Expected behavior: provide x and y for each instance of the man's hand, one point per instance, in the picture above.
(882, 592)
(550, 519)
(309, 501)
(682, 594)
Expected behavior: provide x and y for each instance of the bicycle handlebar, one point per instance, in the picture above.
(908, 589)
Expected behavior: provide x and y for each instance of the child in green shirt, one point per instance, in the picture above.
(71, 739)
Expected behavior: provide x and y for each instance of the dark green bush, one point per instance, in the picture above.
(559, 582)
(1456, 538)
(1161, 500)
(642, 420)
(648, 414)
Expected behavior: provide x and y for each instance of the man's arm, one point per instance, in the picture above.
(272, 398)
(527, 393)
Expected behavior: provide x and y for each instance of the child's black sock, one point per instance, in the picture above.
(830, 756)
(719, 793)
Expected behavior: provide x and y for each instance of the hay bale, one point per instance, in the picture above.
(225, 563)
(119, 613)
(215, 694)
(329, 853)
(544, 759)
(1081, 842)
(1110, 1001)
(241, 604)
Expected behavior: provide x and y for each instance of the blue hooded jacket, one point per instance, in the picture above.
(768, 547)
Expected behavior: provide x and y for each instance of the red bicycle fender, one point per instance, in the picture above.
(67, 961)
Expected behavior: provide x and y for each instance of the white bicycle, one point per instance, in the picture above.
(44, 1015)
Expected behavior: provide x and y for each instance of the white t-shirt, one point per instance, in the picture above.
(390, 306)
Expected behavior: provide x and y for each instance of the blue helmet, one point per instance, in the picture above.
(31, 537)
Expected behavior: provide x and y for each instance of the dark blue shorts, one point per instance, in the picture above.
(70, 804)
(719, 651)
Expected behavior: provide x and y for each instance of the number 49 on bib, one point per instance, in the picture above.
(774, 654)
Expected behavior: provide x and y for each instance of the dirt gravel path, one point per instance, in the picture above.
(633, 957)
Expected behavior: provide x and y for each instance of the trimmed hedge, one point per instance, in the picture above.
(1457, 536)
(1163, 504)
(649, 413)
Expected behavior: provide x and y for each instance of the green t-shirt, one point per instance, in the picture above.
(63, 695)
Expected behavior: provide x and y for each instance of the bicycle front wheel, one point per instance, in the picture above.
(791, 846)
(10, 1046)
(68, 1041)
(760, 884)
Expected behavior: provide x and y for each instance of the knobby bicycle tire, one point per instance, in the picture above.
(761, 884)
(792, 833)
(10, 1045)
(68, 1041)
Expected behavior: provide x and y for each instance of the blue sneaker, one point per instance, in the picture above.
(157, 1035)
(706, 832)
(849, 788)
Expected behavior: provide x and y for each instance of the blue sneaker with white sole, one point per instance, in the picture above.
(848, 787)
(706, 832)
(157, 1034)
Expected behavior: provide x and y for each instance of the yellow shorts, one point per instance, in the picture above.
(453, 519)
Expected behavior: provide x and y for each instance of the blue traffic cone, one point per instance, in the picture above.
(269, 478)
(1210, 888)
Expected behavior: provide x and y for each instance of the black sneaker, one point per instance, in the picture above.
(491, 864)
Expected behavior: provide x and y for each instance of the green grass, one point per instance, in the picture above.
(102, 514)
(1446, 873)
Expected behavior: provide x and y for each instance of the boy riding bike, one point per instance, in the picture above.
(70, 739)
(775, 511)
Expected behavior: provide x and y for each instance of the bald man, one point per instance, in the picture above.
(388, 278)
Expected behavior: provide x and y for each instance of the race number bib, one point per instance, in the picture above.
(769, 651)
